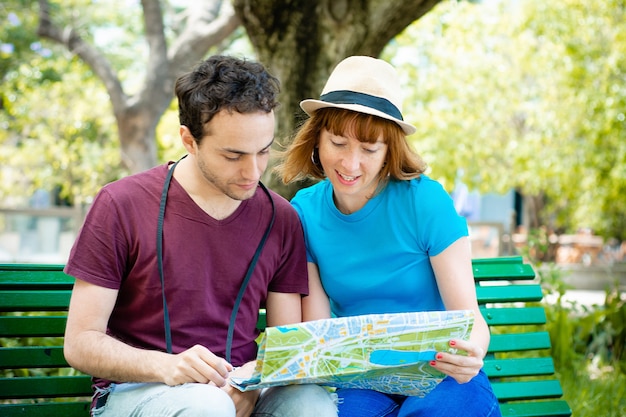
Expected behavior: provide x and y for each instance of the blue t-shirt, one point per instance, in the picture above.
(376, 260)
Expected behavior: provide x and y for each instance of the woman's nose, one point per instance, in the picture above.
(351, 160)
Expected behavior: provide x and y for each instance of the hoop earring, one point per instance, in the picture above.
(315, 156)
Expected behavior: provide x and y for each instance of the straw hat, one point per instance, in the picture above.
(366, 85)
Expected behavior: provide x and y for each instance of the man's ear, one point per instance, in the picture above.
(188, 140)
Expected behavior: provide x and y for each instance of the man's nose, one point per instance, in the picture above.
(252, 169)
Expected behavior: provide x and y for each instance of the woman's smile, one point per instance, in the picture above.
(347, 179)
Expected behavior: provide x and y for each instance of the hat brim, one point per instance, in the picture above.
(310, 106)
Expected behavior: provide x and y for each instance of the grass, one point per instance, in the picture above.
(588, 347)
(593, 391)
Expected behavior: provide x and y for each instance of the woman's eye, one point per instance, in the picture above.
(337, 144)
(370, 150)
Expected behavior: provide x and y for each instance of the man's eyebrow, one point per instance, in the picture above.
(240, 152)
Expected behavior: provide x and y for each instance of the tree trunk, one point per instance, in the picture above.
(137, 130)
(533, 209)
(302, 41)
(299, 41)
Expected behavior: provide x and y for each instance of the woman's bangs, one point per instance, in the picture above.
(366, 128)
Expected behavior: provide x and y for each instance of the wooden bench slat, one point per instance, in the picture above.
(508, 316)
(32, 357)
(45, 387)
(42, 276)
(505, 268)
(32, 326)
(536, 408)
(499, 260)
(513, 342)
(497, 368)
(28, 300)
(56, 409)
(33, 268)
(509, 294)
(42, 326)
(523, 390)
(503, 272)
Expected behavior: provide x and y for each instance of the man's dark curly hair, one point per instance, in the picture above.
(223, 83)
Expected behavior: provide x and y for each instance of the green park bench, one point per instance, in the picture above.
(34, 301)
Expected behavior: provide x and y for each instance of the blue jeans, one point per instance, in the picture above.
(449, 398)
(202, 400)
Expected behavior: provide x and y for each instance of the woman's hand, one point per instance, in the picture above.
(460, 367)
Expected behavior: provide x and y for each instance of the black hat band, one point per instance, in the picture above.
(352, 97)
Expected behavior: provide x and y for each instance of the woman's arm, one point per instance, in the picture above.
(315, 305)
(283, 308)
(455, 279)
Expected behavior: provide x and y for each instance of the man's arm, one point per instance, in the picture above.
(89, 349)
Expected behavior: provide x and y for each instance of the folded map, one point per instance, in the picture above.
(384, 352)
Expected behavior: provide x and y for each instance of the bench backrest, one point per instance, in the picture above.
(33, 309)
(34, 301)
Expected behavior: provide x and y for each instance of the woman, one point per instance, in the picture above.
(381, 236)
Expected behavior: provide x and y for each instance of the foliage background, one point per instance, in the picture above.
(529, 95)
(526, 95)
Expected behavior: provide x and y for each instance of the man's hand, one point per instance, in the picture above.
(197, 364)
(244, 401)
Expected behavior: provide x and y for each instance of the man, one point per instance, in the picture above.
(173, 264)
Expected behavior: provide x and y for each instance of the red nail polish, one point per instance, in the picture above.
(433, 363)
(438, 356)
(452, 343)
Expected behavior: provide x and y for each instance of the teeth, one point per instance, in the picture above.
(347, 178)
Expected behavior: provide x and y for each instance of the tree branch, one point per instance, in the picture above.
(157, 79)
(94, 59)
(389, 18)
(208, 24)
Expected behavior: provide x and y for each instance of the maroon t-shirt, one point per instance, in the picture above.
(204, 262)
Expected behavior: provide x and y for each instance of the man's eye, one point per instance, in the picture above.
(233, 158)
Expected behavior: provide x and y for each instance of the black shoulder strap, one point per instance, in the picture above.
(159, 248)
(244, 284)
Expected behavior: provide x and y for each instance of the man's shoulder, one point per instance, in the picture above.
(281, 204)
(139, 181)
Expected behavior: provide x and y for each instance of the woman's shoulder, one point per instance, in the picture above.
(422, 184)
(312, 192)
(423, 194)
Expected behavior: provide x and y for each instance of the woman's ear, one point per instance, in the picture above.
(189, 142)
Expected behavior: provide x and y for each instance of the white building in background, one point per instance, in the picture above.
(42, 232)
(492, 218)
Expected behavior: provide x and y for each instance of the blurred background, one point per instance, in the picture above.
(520, 108)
